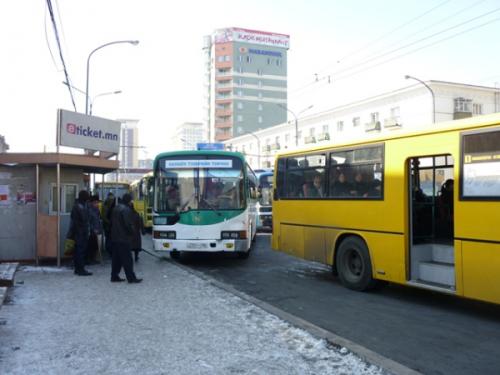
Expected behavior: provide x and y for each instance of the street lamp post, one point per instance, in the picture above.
(296, 120)
(432, 94)
(102, 94)
(240, 130)
(95, 97)
(133, 42)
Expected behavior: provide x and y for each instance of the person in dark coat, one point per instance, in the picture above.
(95, 229)
(80, 225)
(122, 237)
(107, 209)
(138, 232)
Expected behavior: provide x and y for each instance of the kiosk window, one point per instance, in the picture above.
(68, 197)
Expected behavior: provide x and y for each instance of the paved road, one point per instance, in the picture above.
(426, 331)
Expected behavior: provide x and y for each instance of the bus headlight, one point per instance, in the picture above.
(160, 220)
(234, 235)
(169, 235)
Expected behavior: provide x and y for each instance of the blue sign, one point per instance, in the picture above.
(210, 146)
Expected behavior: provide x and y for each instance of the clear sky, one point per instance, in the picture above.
(161, 78)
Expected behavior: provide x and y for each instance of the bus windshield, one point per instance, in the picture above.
(190, 184)
(265, 185)
(117, 189)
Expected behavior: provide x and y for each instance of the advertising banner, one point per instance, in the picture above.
(88, 132)
(252, 36)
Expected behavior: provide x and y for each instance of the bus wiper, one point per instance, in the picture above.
(212, 207)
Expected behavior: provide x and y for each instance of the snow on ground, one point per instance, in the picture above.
(44, 269)
(172, 323)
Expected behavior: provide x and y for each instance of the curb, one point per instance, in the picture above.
(365, 354)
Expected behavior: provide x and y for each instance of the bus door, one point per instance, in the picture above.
(431, 201)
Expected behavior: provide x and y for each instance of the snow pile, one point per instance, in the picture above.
(172, 323)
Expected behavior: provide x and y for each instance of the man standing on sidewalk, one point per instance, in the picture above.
(122, 233)
(81, 225)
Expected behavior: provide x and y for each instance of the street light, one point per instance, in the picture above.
(296, 119)
(133, 42)
(94, 98)
(240, 132)
(102, 94)
(432, 93)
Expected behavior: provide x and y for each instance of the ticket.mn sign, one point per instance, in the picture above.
(88, 132)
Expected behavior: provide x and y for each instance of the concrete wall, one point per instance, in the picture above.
(18, 212)
(17, 216)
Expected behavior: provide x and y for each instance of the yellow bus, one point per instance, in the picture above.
(142, 193)
(416, 208)
(117, 188)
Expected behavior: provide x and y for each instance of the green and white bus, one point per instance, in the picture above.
(204, 201)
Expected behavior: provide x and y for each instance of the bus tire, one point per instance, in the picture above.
(354, 265)
(175, 254)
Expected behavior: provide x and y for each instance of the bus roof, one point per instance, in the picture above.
(454, 125)
(238, 155)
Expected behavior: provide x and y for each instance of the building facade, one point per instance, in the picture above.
(245, 81)
(3, 145)
(188, 134)
(412, 107)
(129, 144)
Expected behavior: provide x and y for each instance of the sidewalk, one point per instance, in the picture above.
(171, 323)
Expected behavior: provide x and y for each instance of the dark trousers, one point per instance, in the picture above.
(81, 243)
(107, 243)
(92, 248)
(121, 257)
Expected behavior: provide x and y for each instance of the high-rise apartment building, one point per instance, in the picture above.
(129, 144)
(188, 134)
(245, 81)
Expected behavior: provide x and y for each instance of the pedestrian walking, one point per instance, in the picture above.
(80, 226)
(138, 232)
(122, 237)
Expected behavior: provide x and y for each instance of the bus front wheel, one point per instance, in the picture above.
(175, 254)
(354, 265)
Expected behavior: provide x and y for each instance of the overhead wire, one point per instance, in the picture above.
(376, 57)
(419, 48)
(380, 38)
(381, 55)
(51, 11)
(48, 43)
(405, 24)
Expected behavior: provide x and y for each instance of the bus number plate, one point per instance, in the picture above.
(196, 246)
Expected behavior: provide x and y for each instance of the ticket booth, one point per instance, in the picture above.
(37, 193)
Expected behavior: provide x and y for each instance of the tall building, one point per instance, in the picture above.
(129, 144)
(3, 145)
(245, 81)
(188, 134)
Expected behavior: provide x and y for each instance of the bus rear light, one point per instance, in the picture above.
(234, 235)
(164, 235)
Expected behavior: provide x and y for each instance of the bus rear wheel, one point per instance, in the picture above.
(354, 265)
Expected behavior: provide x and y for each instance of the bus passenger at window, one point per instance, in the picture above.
(314, 190)
(341, 187)
(375, 189)
(359, 187)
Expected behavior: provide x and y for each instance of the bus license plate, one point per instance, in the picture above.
(196, 246)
